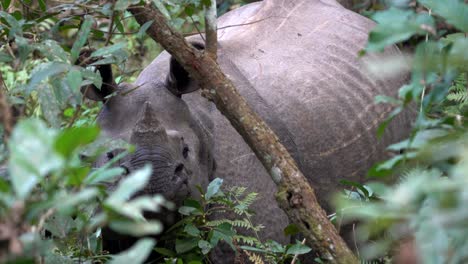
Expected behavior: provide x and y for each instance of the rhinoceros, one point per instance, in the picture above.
(297, 65)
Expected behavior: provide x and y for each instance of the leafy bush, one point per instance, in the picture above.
(53, 205)
(197, 234)
(429, 200)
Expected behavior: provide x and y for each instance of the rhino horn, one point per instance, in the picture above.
(148, 129)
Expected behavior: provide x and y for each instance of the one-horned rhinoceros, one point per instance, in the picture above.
(296, 63)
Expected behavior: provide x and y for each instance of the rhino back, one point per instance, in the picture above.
(302, 60)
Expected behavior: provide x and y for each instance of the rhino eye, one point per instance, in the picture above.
(110, 155)
(185, 152)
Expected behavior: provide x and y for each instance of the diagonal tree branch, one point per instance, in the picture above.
(295, 196)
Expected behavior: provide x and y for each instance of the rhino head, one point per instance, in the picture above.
(152, 115)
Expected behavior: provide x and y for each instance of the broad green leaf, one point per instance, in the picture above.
(130, 185)
(357, 185)
(15, 27)
(185, 245)
(213, 188)
(386, 122)
(454, 11)
(458, 55)
(32, 155)
(103, 175)
(205, 246)
(223, 232)
(44, 71)
(140, 228)
(5, 57)
(135, 208)
(82, 38)
(70, 139)
(192, 230)
(108, 50)
(42, 5)
(298, 249)
(187, 210)
(6, 4)
(121, 5)
(91, 77)
(74, 80)
(72, 200)
(159, 5)
(142, 31)
(136, 254)
(291, 230)
(396, 25)
(59, 225)
(53, 51)
(24, 48)
(165, 252)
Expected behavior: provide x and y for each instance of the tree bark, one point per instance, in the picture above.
(295, 196)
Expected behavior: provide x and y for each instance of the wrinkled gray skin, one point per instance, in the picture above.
(299, 69)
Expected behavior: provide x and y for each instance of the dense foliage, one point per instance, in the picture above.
(428, 204)
(53, 204)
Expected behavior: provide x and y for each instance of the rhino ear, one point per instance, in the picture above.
(178, 80)
(108, 84)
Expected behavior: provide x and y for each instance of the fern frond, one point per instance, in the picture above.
(245, 223)
(249, 199)
(246, 240)
(256, 259)
(460, 96)
(238, 191)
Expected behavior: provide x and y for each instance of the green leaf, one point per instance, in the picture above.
(74, 80)
(386, 122)
(213, 188)
(122, 5)
(142, 31)
(69, 140)
(91, 77)
(5, 57)
(159, 5)
(204, 246)
(396, 25)
(71, 201)
(187, 210)
(298, 249)
(32, 155)
(102, 175)
(15, 28)
(357, 185)
(191, 230)
(138, 253)
(6, 4)
(165, 252)
(223, 232)
(133, 228)
(291, 230)
(42, 5)
(454, 11)
(185, 245)
(82, 38)
(108, 50)
(53, 51)
(130, 185)
(44, 71)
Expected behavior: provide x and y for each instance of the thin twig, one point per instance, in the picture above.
(198, 30)
(111, 26)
